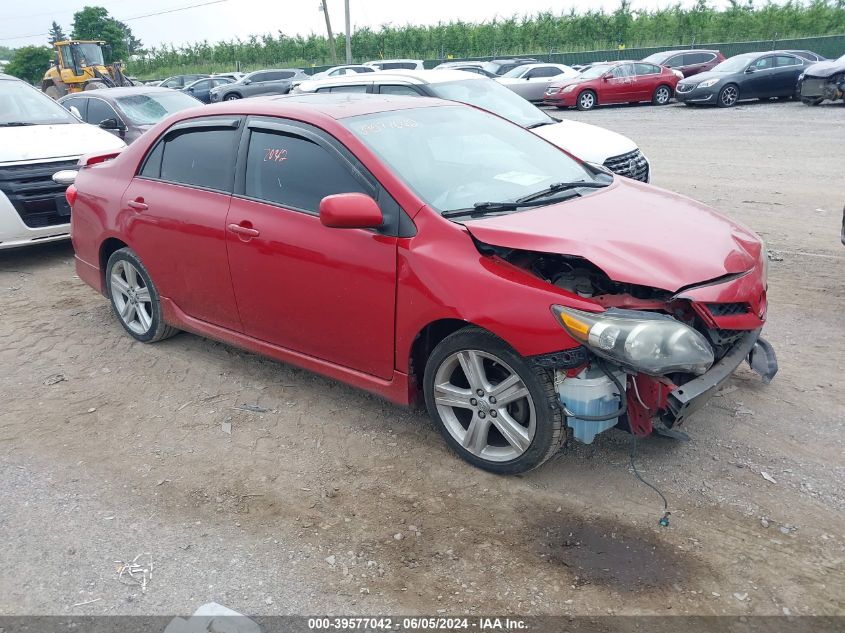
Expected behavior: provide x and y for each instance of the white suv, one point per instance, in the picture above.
(588, 142)
(38, 138)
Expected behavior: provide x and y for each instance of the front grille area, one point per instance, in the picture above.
(728, 309)
(38, 200)
(812, 87)
(631, 165)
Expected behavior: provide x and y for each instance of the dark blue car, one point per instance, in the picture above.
(201, 87)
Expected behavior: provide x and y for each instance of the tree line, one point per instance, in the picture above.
(544, 32)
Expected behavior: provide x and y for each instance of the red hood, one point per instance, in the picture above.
(636, 233)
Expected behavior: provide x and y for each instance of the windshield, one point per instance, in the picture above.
(732, 65)
(150, 109)
(657, 58)
(88, 54)
(21, 104)
(494, 97)
(462, 156)
(516, 72)
(594, 71)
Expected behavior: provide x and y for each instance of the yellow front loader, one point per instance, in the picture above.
(79, 66)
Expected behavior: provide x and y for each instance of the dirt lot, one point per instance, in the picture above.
(325, 499)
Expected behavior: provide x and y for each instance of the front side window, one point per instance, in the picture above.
(99, 111)
(461, 156)
(621, 71)
(199, 157)
(281, 168)
(517, 72)
(734, 64)
(257, 77)
(672, 62)
(764, 63)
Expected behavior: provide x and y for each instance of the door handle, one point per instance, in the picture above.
(138, 204)
(246, 231)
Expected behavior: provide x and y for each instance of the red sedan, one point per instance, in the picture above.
(619, 82)
(426, 250)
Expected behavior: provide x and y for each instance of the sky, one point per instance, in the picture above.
(23, 23)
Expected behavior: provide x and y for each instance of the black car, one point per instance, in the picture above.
(261, 82)
(201, 88)
(501, 66)
(746, 76)
(823, 80)
(179, 81)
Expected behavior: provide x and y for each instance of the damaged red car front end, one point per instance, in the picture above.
(680, 263)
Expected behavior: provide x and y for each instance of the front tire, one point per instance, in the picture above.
(134, 298)
(728, 96)
(494, 409)
(231, 97)
(812, 101)
(661, 96)
(586, 100)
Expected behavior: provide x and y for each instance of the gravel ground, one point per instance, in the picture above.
(326, 499)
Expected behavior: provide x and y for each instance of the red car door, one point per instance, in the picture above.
(325, 292)
(618, 86)
(647, 78)
(174, 213)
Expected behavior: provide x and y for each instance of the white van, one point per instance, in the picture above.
(38, 138)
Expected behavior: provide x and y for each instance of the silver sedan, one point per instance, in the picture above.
(530, 81)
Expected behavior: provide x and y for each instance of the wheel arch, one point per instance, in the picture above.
(107, 248)
(424, 343)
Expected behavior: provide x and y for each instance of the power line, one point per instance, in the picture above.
(137, 17)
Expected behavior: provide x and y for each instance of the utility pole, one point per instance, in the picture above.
(325, 10)
(348, 33)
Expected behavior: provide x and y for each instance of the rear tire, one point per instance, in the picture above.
(812, 101)
(586, 100)
(500, 414)
(662, 95)
(95, 85)
(134, 298)
(53, 92)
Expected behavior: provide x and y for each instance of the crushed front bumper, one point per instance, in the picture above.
(691, 396)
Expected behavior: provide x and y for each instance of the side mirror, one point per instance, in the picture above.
(112, 125)
(350, 211)
(246, 82)
(605, 77)
(190, 89)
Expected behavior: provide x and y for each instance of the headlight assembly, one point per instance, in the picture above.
(569, 88)
(655, 344)
(708, 82)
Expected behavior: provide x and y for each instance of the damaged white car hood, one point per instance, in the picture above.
(45, 142)
(588, 142)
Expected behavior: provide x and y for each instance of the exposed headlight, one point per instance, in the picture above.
(708, 82)
(569, 88)
(652, 343)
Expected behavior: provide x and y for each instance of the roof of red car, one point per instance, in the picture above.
(335, 106)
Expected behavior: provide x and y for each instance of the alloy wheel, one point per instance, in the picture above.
(662, 95)
(587, 100)
(729, 96)
(485, 405)
(231, 98)
(131, 297)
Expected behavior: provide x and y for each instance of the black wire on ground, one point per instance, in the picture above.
(664, 520)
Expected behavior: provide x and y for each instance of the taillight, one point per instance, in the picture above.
(70, 195)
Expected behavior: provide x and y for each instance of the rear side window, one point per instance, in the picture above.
(199, 157)
(647, 69)
(357, 88)
(281, 168)
(398, 65)
(698, 58)
(786, 60)
(78, 106)
(622, 71)
(398, 90)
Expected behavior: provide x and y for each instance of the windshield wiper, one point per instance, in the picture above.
(541, 123)
(533, 200)
(16, 124)
(562, 186)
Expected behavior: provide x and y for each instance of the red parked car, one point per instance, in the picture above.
(426, 250)
(619, 82)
